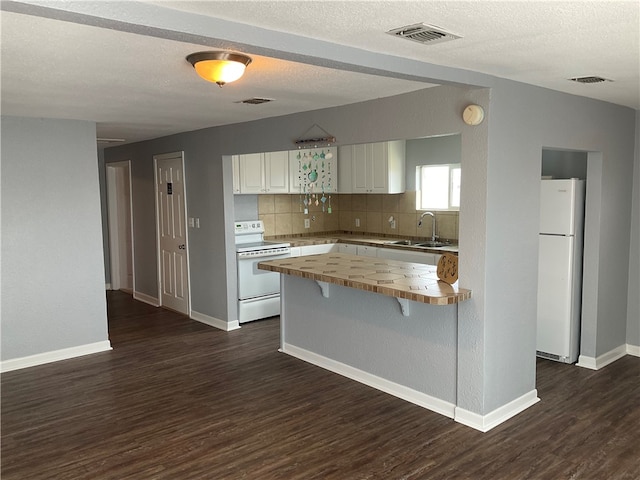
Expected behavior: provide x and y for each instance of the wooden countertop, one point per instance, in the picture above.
(406, 280)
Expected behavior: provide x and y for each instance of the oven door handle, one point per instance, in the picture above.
(251, 255)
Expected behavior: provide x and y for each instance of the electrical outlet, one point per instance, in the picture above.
(357, 222)
(307, 223)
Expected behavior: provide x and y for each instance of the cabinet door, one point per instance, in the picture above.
(347, 248)
(395, 164)
(316, 249)
(378, 168)
(406, 255)
(326, 169)
(236, 173)
(276, 168)
(345, 167)
(361, 168)
(295, 171)
(367, 251)
(251, 173)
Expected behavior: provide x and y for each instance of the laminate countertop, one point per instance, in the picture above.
(394, 278)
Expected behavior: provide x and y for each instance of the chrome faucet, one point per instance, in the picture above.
(433, 224)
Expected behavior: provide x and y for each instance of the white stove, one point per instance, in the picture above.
(258, 290)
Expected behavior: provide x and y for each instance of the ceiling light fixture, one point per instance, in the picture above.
(219, 67)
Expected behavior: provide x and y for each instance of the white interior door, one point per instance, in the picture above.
(120, 226)
(172, 232)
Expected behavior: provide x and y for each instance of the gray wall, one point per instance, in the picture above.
(633, 307)
(413, 351)
(501, 161)
(209, 181)
(52, 265)
(564, 164)
(430, 151)
(105, 217)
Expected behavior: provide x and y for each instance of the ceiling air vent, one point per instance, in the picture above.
(421, 33)
(590, 79)
(255, 101)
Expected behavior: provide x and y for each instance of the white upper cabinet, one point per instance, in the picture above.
(276, 172)
(374, 167)
(313, 170)
(264, 172)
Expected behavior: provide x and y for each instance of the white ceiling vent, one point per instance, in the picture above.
(590, 79)
(421, 33)
(255, 101)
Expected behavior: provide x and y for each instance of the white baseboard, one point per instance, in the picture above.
(633, 350)
(602, 360)
(214, 322)
(107, 286)
(410, 395)
(54, 356)
(143, 297)
(484, 423)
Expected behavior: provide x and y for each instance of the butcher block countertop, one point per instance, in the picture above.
(403, 280)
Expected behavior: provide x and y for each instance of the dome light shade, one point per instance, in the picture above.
(219, 67)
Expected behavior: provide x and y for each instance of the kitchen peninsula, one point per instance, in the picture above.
(385, 323)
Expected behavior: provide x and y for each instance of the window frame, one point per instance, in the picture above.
(450, 187)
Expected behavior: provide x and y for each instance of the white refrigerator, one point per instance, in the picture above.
(560, 269)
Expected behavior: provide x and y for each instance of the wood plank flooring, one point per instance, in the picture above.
(176, 399)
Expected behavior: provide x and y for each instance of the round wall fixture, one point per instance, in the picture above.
(473, 115)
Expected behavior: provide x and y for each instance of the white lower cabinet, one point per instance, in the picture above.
(408, 256)
(316, 249)
(367, 251)
(347, 248)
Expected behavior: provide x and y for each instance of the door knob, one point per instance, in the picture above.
(181, 247)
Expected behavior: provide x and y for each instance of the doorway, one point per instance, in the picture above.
(120, 221)
(171, 228)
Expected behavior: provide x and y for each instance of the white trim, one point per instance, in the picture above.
(214, 322)
(418, 398)
(602, 360)
(484, 423)
(107, 286)
(143, 297)
(112, 222)
(54, 356)
(633, 350)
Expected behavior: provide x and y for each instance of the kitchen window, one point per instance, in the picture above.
(438, 187)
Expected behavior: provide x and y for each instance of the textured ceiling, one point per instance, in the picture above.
(134, 82)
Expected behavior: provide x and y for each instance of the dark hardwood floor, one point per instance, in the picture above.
(176, 399)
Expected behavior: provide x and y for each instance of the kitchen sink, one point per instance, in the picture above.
(401, 242)
(411, 243)
(431, 244)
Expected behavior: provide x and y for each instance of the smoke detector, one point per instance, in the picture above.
(590, 79)
(425, 34)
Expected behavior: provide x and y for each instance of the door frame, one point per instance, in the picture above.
(157, 157)
(113, 217)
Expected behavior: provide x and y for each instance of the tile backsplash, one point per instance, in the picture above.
(284, 215)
